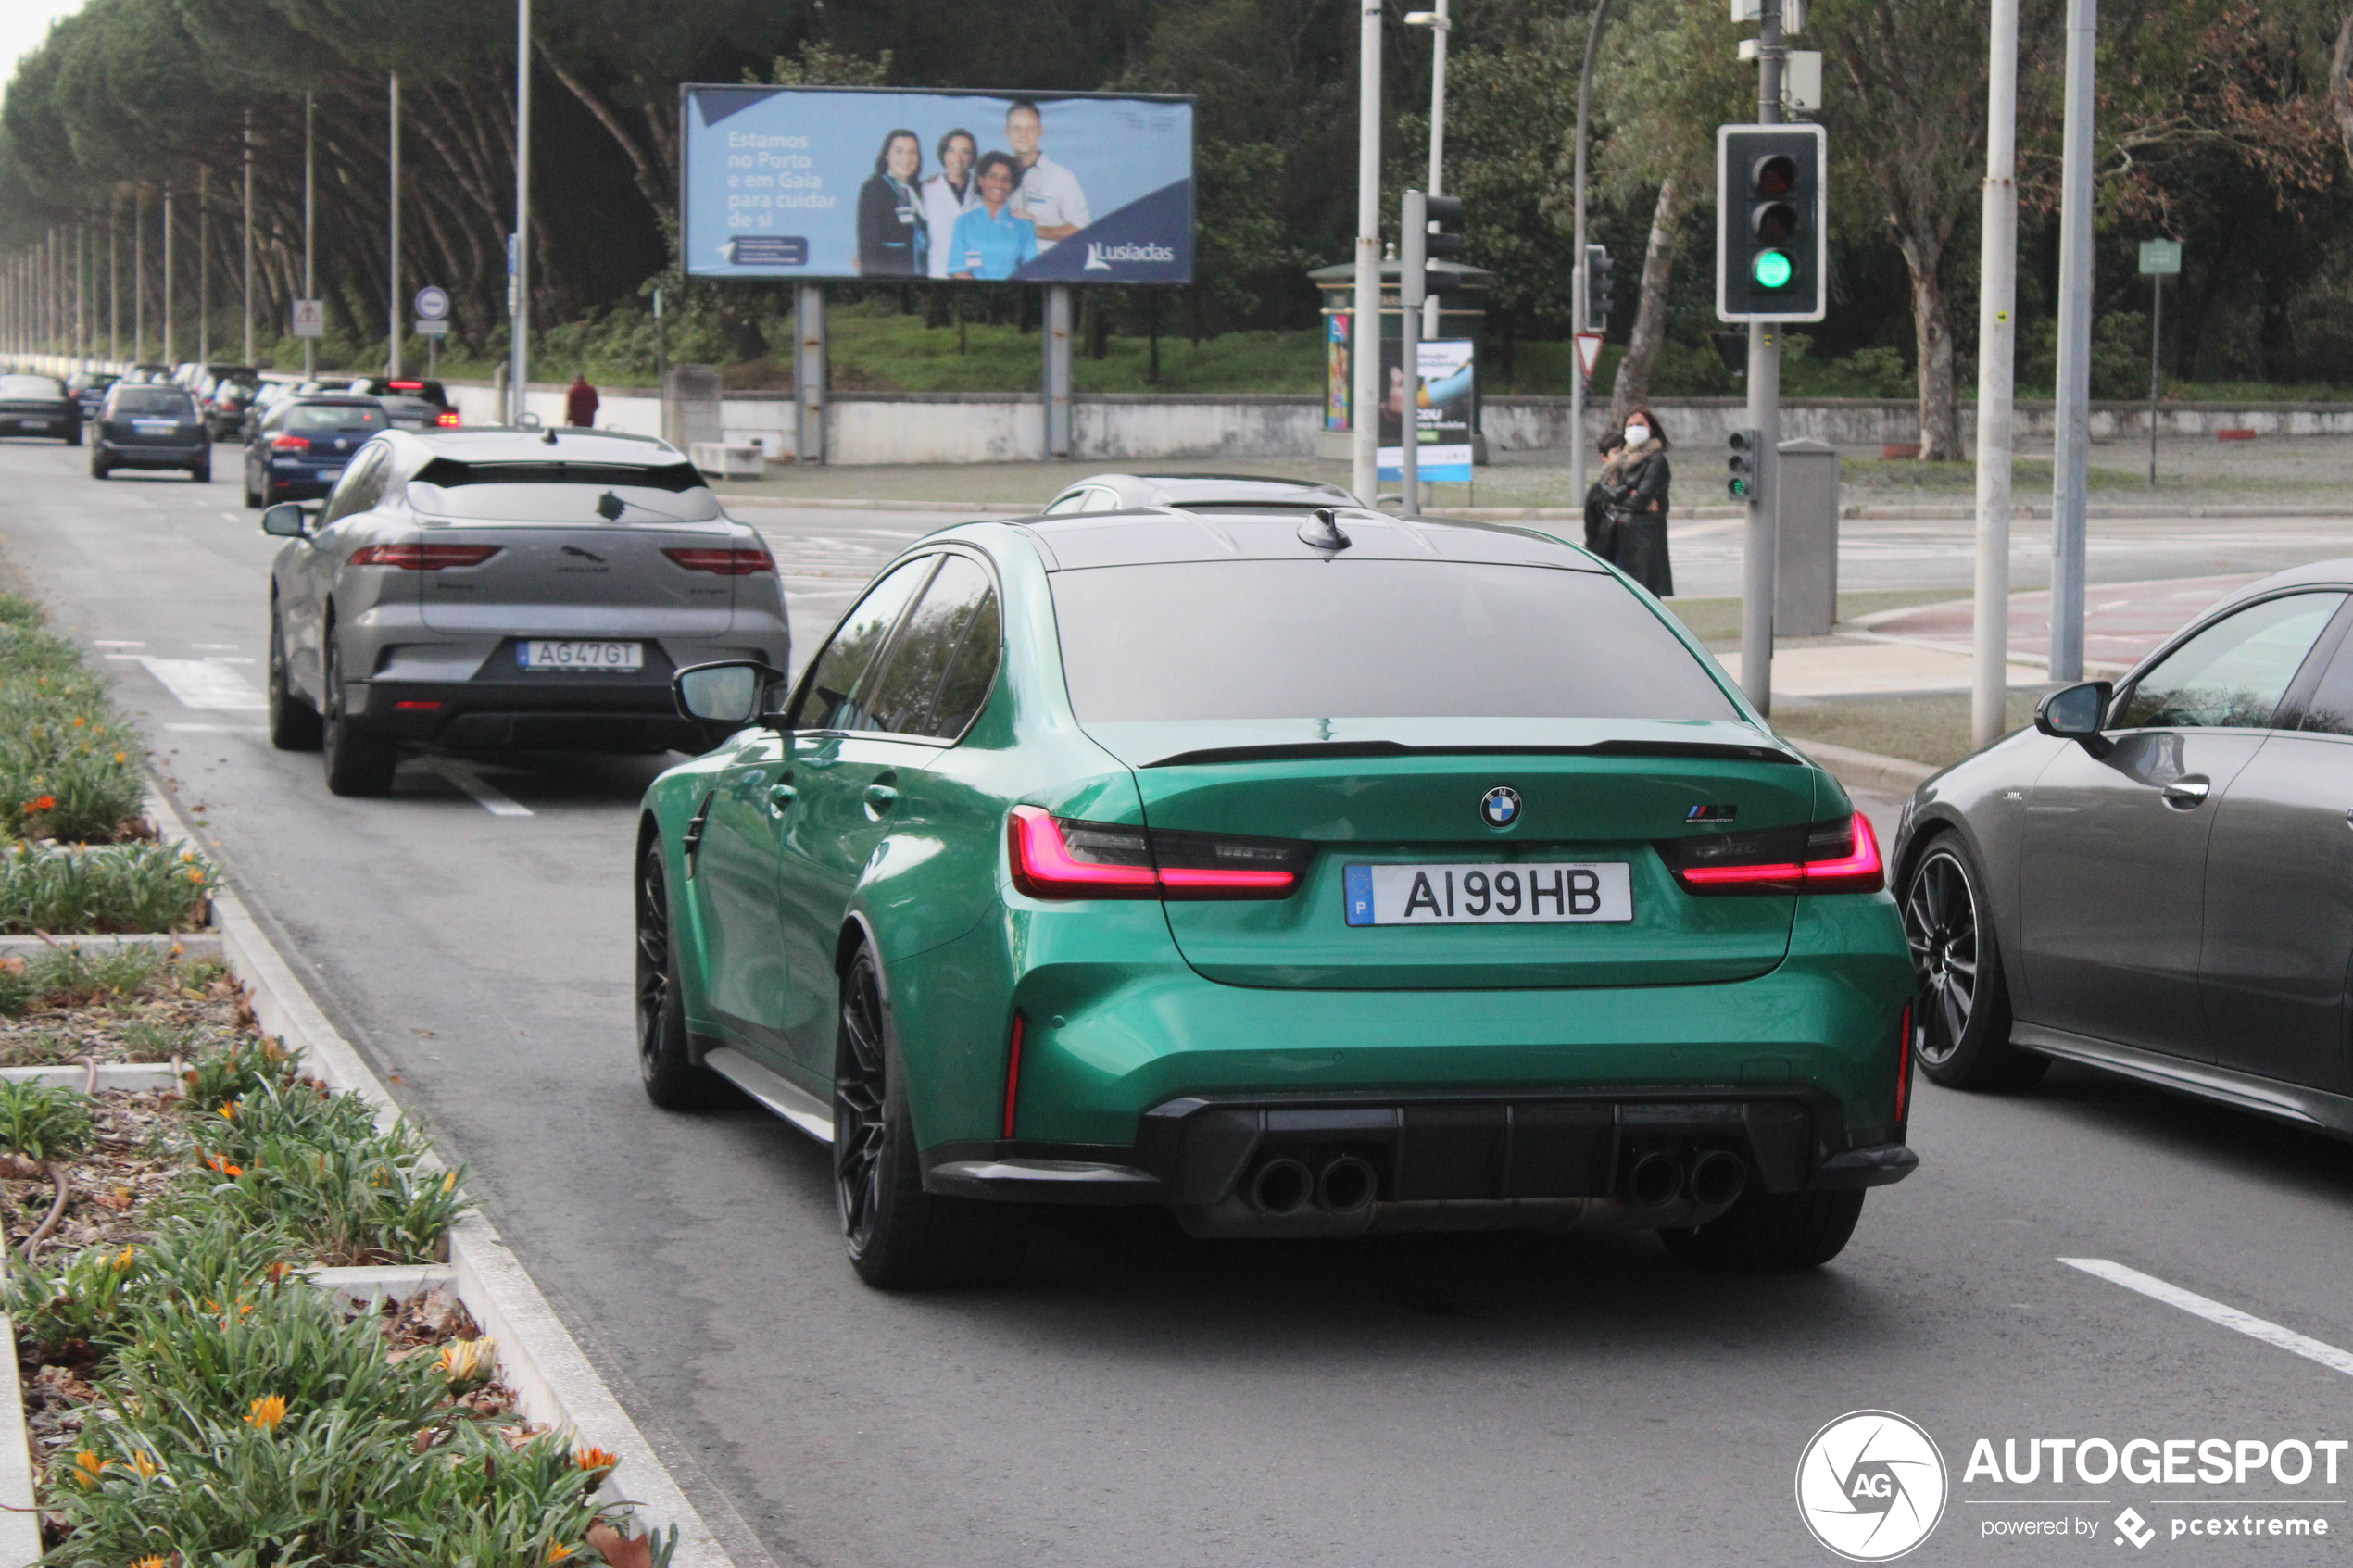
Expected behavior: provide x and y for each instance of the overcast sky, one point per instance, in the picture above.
(23, 24)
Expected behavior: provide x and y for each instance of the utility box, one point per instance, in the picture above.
(690, 410)
(1805, 576)
(724, 459)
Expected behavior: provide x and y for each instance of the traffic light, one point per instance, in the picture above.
(1418, 242)
(1771, 223)
(1739, 483)
(1599, 276)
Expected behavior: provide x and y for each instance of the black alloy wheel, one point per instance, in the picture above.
(1963, 1021)
(671, 1077)
(360, 761)
(294, 724)
(900, 1236)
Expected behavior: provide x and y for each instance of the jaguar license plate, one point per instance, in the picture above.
(580, 656)
(1487, 894)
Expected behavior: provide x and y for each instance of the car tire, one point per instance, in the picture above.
(294, 724)
(1962, 1038)
(253, 502)
(99, 467)
(1770, 1230)
(899, 1236)
(671, 1077)
(201, 472)
(74, 439)
(360, 761)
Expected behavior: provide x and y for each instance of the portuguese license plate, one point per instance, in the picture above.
(1486, 893)
(155, 427)
(537, 655)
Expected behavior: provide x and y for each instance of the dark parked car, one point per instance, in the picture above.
(39, 405)
(408, 412)
(150, 426)
(223, 393)
(304, 443)
(2153, 879)
(415, 389)
(89, 389)
(139, 375)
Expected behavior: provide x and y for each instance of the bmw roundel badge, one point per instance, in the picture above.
(1499, 808)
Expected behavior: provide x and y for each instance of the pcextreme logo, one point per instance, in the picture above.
(1872, 1486)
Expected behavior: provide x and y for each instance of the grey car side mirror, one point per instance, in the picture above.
(2075, 713)
(726, 694)
(287, 520)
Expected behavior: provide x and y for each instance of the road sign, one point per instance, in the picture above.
(2161, 258)
(432, 326)
(1589, 353)
(433, 303)
(309, 318)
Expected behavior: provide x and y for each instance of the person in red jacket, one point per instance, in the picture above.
(580, 402)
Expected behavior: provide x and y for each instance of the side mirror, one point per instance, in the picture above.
(727, 695)
(287, 520)
(2075, 713)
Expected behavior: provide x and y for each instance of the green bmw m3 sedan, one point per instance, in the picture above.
(1309, 875)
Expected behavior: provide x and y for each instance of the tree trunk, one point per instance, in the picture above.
(1632, 384)
(2340, 90)
(1932, 333)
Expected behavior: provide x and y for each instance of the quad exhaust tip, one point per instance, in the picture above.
(1718, 1178)
(1282, 1187)
(1347, 1186)
(1655, 1181)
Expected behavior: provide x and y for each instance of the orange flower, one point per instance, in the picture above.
(79, 721)
(153, 1562)
(148, 1470)
(278, 1272)
(45, 803)
(229, 1111)
(266, 1412)
(595, 1459)
(87, 1467)
(231, 1171)
(124, 1259)
(122, 758)
(558, 1551)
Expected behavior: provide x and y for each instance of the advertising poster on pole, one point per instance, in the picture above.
(818, 184)
(1336, 375)
(1442, 415)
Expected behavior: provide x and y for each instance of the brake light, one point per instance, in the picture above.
(291, 444)
(416, 707)
(1903, 1067)
(1012, 1074)
(408, 385)
(1054, 857)
(1834, 857)
(447, 419)
(422, 558)
(727, 563)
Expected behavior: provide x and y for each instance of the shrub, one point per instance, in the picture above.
(42, 1121)
(69, 767)
(102, 889)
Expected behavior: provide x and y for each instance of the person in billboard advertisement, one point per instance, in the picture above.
(891, 238)
(948, 196)
(992, 240)
(1049, 195)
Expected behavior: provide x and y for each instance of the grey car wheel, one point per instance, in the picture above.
(360, 761)
(1964, 1029)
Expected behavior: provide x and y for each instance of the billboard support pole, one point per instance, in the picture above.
(1057, 336)
(809, 373)
(1364, 403)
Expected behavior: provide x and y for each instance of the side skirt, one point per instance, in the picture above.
(779, 1094)
(2244, 1091)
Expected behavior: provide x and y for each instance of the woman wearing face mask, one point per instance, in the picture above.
(1638, 533)
(892, 240)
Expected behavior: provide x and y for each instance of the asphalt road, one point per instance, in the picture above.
(1140, 1397)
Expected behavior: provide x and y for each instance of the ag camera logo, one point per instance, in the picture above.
(1872, 1486)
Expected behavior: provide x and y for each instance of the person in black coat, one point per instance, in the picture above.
(893, 240)
(1638, 532)
(1604, 494)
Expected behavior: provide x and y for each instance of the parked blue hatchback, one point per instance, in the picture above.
(304, 443)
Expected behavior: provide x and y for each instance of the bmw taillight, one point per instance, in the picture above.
(1059, 857)
(291, 444)
(422, 558)
(727, 563)
(1839, 856)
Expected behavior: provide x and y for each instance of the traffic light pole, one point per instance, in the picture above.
(1759, 570)
(1996, 355)
(1413, 237)
(2071, 438)
(1579, 283)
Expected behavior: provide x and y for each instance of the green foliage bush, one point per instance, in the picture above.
(98, 888)
(42, 1121)
(68, 764)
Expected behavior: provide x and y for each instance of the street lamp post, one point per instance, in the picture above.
(204, 263)
(1364, 404)
(392, 292)
(169, 346)
(248, 241)
(310, 225)
(519, 359)
(1579, 280)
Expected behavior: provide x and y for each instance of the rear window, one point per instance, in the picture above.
(561, 491)
(334, 416)
(153, 400)
(1369, 639)
(29, 386)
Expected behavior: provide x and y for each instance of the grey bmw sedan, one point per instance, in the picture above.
(494, 588)
(2157, 879)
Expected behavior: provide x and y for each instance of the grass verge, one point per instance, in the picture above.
(1930, 727)
(68, 764)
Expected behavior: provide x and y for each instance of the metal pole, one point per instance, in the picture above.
(1759, 570)
(169, 347)
(1439, 32)
(519, 363)
(391, 290)
(809, 373)
(1057, 345)
(1997, 359)
(2156, 329)
(139, 275)
(248, 282)
(1364, 403)
(114, 285)
(1412, 235)
(1579, 280)
(310, 226)
(204, 262)
(2070, 447)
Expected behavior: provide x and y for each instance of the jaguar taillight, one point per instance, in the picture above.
(1060, 858)
(422, 558)
(1838, 855)
(727, 563)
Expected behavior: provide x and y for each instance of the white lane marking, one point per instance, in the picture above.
(218, 646)
(219, 729)
(235, 518)
(487, 795)
(2214, 1312)
(203, 682)
(116, 643)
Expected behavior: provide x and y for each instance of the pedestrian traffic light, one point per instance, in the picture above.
(1599, 275)
(1741, 480)
(1771, 223)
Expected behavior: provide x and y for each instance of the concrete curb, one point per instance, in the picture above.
(204, 944)
(1865, 769)
(20, 1524)
(538, 1356)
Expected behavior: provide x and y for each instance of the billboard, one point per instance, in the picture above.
(1443, 420)
(831, 183)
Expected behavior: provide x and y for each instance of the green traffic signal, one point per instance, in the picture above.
(1773, 270)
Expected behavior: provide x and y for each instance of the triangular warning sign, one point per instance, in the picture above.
(1589, 352)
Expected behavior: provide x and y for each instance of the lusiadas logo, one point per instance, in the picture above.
(1100, 257)
(1872, 1486)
